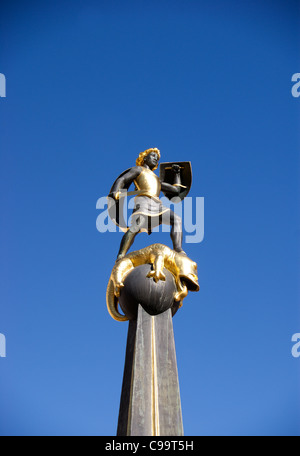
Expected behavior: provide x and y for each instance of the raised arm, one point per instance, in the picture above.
(175, 188)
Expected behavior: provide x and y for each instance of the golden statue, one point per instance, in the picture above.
(148, 213)
(159, 256)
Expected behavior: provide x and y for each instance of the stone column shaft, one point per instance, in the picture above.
(150, 399)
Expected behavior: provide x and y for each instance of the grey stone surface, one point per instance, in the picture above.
(154, 297)
(169, 404)
(150, 399)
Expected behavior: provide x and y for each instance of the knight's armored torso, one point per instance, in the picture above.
(147, 202)
(148, 183)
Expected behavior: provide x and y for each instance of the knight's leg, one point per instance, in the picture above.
(176, 232)
(126, 243)
(128, 238)
(170, 218)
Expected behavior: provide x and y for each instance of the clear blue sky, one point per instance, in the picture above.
(90, 84)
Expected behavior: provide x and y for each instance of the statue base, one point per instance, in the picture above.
(150, 399)
(149, 285)
(156, 277)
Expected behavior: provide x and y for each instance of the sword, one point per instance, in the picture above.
(171, 167)
(121, 194)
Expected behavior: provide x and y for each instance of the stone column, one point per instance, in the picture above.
(150, 399)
